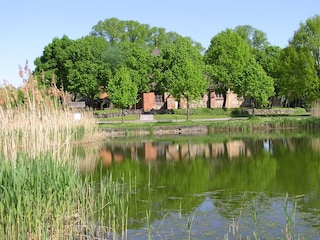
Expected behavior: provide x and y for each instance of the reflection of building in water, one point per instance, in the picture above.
(217, 149)
(106, 157)
(235, 149)
(173, 152)
(149, 151)
(315, 144)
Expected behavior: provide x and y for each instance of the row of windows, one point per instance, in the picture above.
(159, 98)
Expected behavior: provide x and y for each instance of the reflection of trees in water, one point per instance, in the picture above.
(183, 169)
(232, 204)
(85, 157)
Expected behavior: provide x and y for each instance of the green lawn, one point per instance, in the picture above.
(180, 114)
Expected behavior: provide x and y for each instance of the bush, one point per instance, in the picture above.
(204, 111)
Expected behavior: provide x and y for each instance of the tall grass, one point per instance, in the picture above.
(43, 195)
(43, 199)
(33, 121)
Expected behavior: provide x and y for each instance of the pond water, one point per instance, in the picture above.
(264, 186)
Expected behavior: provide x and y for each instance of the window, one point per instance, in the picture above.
(158, 98)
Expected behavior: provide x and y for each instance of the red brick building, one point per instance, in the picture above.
(151, 101)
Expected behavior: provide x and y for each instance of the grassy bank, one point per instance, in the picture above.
(245, 125)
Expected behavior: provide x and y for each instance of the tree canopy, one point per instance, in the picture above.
(239, 59)
(227, 56)
(179, 70)
(254, 37)
(234, 66)
(121, 89)
(300, 63)
(77, 65)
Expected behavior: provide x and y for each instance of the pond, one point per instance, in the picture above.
(264, 186)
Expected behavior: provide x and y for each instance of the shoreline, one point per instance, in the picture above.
(203, 126)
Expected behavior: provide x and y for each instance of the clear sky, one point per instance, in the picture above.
(28, 26)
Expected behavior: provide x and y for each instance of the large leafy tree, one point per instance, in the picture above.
(298, 81)
(179, 70)
(255, 84)
(266, 55)
(77, 65)
(301, 63)
(307, 37)
(138, 59)
(116, 31)
(122, 90)
(306, 42)
(234, 66)
(51, 65)
(269, 59)
(87, 71)
(111, 29)
(227, 56)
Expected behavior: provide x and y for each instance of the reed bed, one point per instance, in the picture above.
(43, 199)
(33, 121)
(43, 194)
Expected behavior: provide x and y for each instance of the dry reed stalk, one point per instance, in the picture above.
(35, 122)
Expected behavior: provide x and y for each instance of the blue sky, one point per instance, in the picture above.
(28, 26)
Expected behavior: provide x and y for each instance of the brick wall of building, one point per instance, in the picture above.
(148, 101)
(171, 102)
(211, 100)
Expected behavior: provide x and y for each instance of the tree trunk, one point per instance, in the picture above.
(188, 108)
(122, 115)
(252, 107)
(224, 100)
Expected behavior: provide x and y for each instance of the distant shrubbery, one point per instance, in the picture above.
(204, 111)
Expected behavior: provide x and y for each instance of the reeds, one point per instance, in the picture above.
(43, 195)
(33, 121)
(43, 199)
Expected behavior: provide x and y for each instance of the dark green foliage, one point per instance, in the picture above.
(205, 111)
(300, 68)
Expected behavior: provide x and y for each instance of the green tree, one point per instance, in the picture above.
(77, 65)
(227, 56)
(87, 71)
(52, 62)
(269, 59)
(190, 82)
(179, 70)
(111, 29)
(137, 58)
(307, 37)
(255, 84)
(116, 31)
(297, 82)
(122, 90)
(267, 56)
(300, 77)
(254, 37)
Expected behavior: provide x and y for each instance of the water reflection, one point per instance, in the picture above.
(234, 186)
(172, 151)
